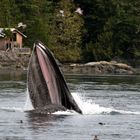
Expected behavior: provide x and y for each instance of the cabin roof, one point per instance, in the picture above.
(12, 30)
(1, 32)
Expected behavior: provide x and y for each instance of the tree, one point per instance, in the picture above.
(34, 15)
(113, 28)
(8, 33)
(66, 33)
(9, 13)
(105, 29)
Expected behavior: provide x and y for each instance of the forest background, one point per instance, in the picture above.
(78, 30)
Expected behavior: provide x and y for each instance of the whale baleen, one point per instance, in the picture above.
(47, 87)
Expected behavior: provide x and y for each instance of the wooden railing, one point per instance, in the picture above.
(22, 50)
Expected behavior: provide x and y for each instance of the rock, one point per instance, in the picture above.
(11, 60)
(101, 67)
(101, 123)
(95, 138)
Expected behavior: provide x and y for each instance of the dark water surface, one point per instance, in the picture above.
(111, 107)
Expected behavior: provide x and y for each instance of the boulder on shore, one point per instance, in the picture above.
(101, 67)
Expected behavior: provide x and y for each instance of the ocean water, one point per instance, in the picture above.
(110, 105)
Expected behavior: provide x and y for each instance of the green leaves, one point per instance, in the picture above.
(113, 28)
(106, 29)
(66, 32)
(8, 33)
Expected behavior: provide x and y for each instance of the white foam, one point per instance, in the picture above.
(12, 109)
(127, 112)
(89, 107)
(28, 105)
(67, 112)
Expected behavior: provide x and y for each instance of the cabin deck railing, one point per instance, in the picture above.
(22, 50)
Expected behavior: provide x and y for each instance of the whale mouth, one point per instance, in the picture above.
(46, 84)
(48, 73)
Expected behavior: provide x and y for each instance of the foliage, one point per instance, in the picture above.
(8, 13)
(8, 33)
(113, 29)
(105, 30)
(66, 32)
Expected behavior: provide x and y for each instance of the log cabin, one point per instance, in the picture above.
(15, 40)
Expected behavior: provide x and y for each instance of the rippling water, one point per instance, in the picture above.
(111, 107)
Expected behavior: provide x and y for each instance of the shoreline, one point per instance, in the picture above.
(83, 69)
(11, 61)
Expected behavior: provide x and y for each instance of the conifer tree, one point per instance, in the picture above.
(67, 31)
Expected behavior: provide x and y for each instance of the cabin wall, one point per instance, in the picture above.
(15, 42)
(19, 40)
(3, 43)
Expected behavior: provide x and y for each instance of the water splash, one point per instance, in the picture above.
(28, 105)
(89, 107)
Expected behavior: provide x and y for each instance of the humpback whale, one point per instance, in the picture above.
(47, 87)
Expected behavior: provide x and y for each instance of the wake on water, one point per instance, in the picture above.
(88, 107)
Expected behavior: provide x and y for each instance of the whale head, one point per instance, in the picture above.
(46, 84)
